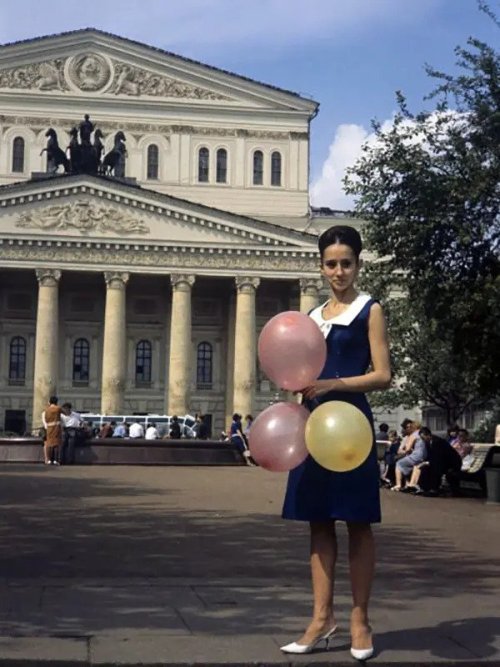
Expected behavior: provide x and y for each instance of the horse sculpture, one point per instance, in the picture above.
(75, 151)
(114, 160)
(55, 154)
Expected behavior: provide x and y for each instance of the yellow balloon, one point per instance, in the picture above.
(338, 436)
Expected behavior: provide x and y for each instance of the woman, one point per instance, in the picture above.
(355, 332)
(51, 419)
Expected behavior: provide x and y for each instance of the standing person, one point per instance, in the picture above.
(72, 422)
(355, 332)
(248, 425)
(383, 432)
(51, 418)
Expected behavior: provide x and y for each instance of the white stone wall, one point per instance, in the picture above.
(178, 166)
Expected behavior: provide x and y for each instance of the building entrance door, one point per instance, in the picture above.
(15, 421)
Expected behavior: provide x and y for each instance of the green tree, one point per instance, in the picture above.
(429, 190)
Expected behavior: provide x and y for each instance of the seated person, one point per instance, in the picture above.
(462, 444)
(404, 467)
(120, 431)
(175, 428)
(441, 458)
(136, 430)
(410, 435)
(452, 433)
(107, 430)
(152, 432)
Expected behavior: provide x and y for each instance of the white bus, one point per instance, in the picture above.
(162, 422)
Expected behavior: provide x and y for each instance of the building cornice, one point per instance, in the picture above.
(157, 258)
(139, 199)
(39, 124)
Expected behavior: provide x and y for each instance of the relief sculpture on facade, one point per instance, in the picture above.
(42, 76)
(92, 73)
(136, 81)
(83, 215)
(89, 72)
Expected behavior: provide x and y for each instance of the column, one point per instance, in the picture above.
(244, 345)
(114, 347)
(46, 342)
(231, 320)
(309, 293)
(179, 372)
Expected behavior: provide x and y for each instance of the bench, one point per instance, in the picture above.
(476, 474)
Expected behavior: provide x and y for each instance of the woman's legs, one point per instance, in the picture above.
(46, 453)
(362, 568)
(323, 558)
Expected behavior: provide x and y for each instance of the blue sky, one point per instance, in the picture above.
(349, 55)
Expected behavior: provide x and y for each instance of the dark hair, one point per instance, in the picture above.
(405, 422)
(425, 431)
(463, 430)
(53, 400)
(236, 417)
(383, 427)
(340, 234)
(67, 405)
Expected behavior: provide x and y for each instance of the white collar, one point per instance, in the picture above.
(344, 319)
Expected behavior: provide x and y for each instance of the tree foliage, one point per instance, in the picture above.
(429, 189)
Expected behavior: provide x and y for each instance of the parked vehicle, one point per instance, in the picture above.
(162, 422)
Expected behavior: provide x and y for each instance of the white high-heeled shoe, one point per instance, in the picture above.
(294, 647)
(362, 653)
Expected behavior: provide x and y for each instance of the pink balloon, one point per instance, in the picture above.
(292, 350)
(277, 437)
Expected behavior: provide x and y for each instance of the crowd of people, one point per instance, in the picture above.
(417, 460)
(64, 429)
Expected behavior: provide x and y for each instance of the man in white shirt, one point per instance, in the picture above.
(71, 421)
(136, 430)
(152, 432)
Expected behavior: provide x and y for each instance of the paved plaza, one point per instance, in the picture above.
(183, 566)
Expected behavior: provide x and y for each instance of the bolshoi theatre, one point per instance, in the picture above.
(142, 288)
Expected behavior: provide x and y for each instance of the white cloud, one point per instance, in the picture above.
(346, 148)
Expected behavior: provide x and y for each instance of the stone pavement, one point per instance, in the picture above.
(193, 566)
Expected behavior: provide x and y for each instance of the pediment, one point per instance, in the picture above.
(94, 209)
(92, 63)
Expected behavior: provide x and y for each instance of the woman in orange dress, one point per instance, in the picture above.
(51, 418)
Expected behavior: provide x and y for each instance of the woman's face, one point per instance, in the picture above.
(339, 266)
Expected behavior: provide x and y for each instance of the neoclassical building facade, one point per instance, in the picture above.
(146, 293)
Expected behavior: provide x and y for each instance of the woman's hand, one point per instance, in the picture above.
(317, 388)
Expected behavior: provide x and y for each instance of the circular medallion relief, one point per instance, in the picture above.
(89, 71)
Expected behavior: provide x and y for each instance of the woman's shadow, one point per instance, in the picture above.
(463, 639)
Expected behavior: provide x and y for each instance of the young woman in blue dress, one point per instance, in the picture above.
(357, 362)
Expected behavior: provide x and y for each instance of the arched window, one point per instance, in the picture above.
(203, 158)
(17, 359)
(81, 359)
(143, 354)
(153, 161)
(18, 155)
(221, 165)
(276, 168)
(258, 168)
(204, 362)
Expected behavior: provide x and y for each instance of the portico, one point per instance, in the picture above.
(208, 292)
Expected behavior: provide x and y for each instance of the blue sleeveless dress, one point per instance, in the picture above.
(314, 493)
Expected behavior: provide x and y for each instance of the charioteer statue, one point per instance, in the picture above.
(85, 152)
